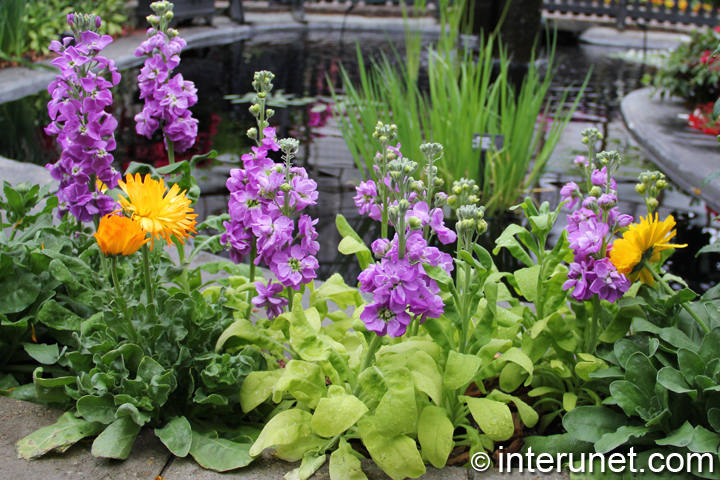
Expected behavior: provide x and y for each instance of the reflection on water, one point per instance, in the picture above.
(303, 62)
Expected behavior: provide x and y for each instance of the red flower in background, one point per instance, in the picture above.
(702, 119)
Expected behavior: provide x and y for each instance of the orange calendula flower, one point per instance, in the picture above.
(159, 212)
(643, 241)
(118, 235)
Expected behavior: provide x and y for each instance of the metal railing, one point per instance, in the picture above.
(673, 11)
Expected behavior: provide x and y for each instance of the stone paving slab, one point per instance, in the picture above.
(685, 155)
(19, 419)
(610, 36)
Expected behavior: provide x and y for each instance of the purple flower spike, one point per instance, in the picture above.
(580, 276)
(366, 195)
(382, 320)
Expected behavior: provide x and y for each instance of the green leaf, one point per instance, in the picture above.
(610, 441)
(641, 372)
(344, 228)
(620, 324)
(344, 465)
(527, 279)
(305, 381)
(219, 454)
(97, 409)
(396, 414)
(117, 439)
(590, 423)
(674, 381)
(690, 364)
(528, 415)
(58, 317)
(704, 441)
(257, 387)
(629, 397)
(337, 413)
(283, 429)
(460, 369)
(554, 444)
(295, 451)
(680, 437)
(715, 175)
(67, 431)
(176, 435)
(569, 401)
(494, 418)
(45, 354)
(397, 456)
(130, 410)
(19, 291)
(349, 245)
(710, 347)
(423, 369)
(435, 433)
(507, 240)
(309, 465)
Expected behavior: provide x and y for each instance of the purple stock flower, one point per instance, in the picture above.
(437, 223)
(308, 234)
(580, 276)
(599, 178)
(607, 201)
(366, 194)
(294, 267)
(381, 319)
(570, 192)
(267, 296)
(580, 161)
(588, 238)
(608, 284)
(85, 132)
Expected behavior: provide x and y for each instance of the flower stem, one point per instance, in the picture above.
(669, 290)
(253, 255)
(369, 359)
(594, 322)
(148, 281)
(290, 299)
(184, 276)
(129, 327)
(465, 310)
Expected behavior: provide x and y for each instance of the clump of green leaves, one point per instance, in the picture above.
(689, 71)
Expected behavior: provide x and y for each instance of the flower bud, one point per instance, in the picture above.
(380, 247)
(414, 223)
(640, 188)
(441, 199)
(71, 19)
(285, 187)
(252, 132)
(255, 109)
(473, 199)
(457, 189)
(595, 191)
(98, 22)
(269, 112)
(652, 203)
(169, 16)
(661, 184)
(262, 95)
(383, 139)
(279, 167)
(403, 206)
(452, 200)
(482, 227)
(391, 156)
(585, 140)
(438, 182)
(624, 220)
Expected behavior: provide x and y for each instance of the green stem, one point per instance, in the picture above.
(672, 292)
(253, 255)
(369, 359)
(592, 335)
(290, 298)
(540, 300)
(129, 327)
(148, 281)
(465, 310)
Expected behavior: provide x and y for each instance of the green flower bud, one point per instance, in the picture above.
(438, 182)
(452, 200)
(661, 184)
(269, 112)
(252, 132)
(585, 140)
(652, 203)
(414, 223)
(640, 188)
(482, 227)
(255, 109)
(285, 187)
(457, 189)
(595, 191)
(383, 139)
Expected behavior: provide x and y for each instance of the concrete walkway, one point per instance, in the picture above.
(687, 156)
(150, 459)
(18, 82)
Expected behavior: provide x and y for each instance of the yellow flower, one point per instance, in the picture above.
(100, 186)
(118, 235)
(160, 213)
(643, 241)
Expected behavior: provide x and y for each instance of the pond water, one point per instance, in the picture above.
(302, 63)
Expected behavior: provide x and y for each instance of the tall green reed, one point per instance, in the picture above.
(13, 37)
(464, 97)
